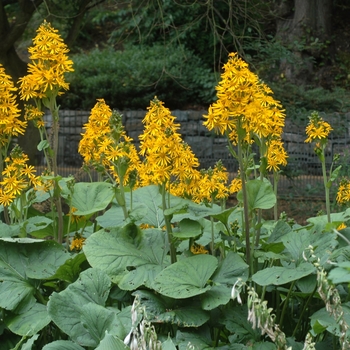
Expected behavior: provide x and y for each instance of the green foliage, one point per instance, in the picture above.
(89, 303)
(132, 77)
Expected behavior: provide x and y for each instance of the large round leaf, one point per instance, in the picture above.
(30, 322)
(62, 345)
(260, 195)
(278, 275)
(79, 309)
(187, 277)
(89, 198)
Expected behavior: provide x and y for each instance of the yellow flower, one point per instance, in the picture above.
(77, 243)
(342, 226)
(165, 154)
(75, 218)
(198, 249)
(45, 76)
(276, 155)
(6, 198)
(244, 99)
(10, 124)
(17, 176)
(343, 194)
(236, 185)
(317, 128)
(211, 185)
(105, 143)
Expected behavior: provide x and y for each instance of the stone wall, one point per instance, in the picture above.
(207, 146)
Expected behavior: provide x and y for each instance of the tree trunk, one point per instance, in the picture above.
(305, 32)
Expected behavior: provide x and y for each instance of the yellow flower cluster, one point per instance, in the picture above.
(236, 185)
(17, 177)
(343, 194)
(198, 249)
(77, 243)
(10, 124)
(36, 115)
(166, 155)
(317, 128)
(276, 155)
(245, 103)
(211, 185)
(168, 159)
(106, 143)
(45, 76)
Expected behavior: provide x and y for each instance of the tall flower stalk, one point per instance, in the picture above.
(44, 82)
(317, 131)
(246, 113)
(106, 147)
(10, 126)
(167, 160)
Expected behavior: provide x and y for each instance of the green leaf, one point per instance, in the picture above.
(161, 309)
(44, 144)
(322, 320)
(235, 320)
(96, 319)
(224, 215)
(113, 217)
(297, 242)
(20, 264)
(110, 342)
(9, 230)
(122, 324)
(197, 341)
(62, 345)
(188, 228)
(168, 344)
(278, 275)
(70, 270)
(28, 345)
(260, 195)
(72, 312)
(187, 277)
(36, 223)
(216, 296)
(230, 269)
(150, 197)
(89, 198)
(340, 274)
(118, 255)
(29, 322)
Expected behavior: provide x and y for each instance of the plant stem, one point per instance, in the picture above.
(284, 309)
(275, 207)
(303, 311)
(57, 194)
(326, 187)
(168, 226)
(245, 205)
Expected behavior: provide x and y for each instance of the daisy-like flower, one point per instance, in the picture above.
(77, 243)
(212, 184)
(317, 129)
(198, 249)
(343, 194)
(236, 185)
(17, 176)
(276, 155)
(49, 63)
(10, 124)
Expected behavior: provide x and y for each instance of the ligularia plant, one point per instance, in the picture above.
(148, 256)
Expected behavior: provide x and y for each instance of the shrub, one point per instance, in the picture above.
(132, 77)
